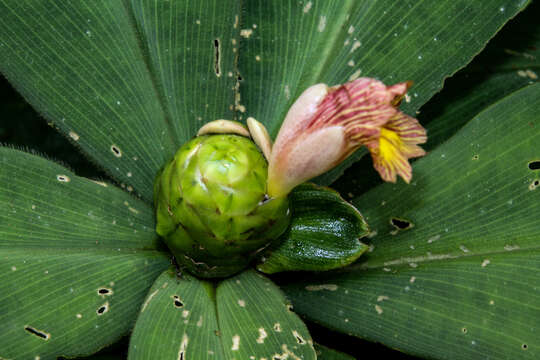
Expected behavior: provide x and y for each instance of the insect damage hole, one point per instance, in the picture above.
(177, 301)
(103, 309)
(400, 224)
(116, 151)
(534, 165)
(62, 178)
(217, 57)
(41, 334)
(299, 339)
(103, 291)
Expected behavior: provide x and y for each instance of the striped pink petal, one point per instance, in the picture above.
(325, 125)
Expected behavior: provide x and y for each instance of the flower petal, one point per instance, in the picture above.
(398, 141)
(362, 112)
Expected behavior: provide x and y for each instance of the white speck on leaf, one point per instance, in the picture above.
(355, 45)
(355, 75)
(74, 135)
(329, 287)
(511, 247)
(378, 309)
(63, 178)
(322, 23)
(262, 335)
(246, 33)
(235, 343)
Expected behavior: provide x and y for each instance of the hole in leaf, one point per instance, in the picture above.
(116, 151)
(401, 224)
(103, 309)
(534, 165)
(299, 339)
(38, 333)
(524, 346)
(177, 302)
(104, 291)
(217, 60)
(62, 178)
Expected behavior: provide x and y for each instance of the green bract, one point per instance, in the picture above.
(212, 207)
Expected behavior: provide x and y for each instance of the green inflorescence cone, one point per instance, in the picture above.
(212, 205)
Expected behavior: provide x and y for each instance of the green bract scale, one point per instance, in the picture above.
(212, 205)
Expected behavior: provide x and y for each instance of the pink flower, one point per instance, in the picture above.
(326, 125)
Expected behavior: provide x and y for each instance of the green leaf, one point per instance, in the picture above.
(506, 65)
(324, 233)
(177, 321)
(463, 279)
(80, 65)
(70, 302)
(45, 205)
(324, 353)
(255, 321)
(73, 269)
(192, 46)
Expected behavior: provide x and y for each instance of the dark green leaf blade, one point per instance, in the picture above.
(324, 233)
(70, 302)
(80, 65)
(464, 279)
(45, 205)
(192, 47)
(255, 321)
(74, 259)
(177, 321)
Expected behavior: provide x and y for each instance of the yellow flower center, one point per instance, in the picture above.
(389, 145)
